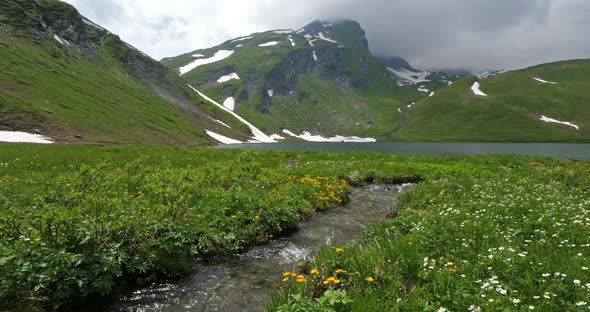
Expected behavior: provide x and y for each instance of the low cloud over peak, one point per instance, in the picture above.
(469, 34)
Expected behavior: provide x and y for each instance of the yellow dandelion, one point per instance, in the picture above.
(369, 279)
(300, 279)
(37, 239)
(286, 279)
(314, 272)
(338, 271)
(286, 274)
(339, 250)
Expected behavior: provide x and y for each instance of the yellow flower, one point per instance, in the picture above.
(233, 216)
(301, 279)
(369, 279)
(410, 243)
(286, 279)
(199, 216)
(314, 272)
(332, 280)
(257, 217)
(37, 239)
(339, 250)
(340, 271)
(393, 227)
(286, 274)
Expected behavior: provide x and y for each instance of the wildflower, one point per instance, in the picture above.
(339, 250)
(257, 217)
(369, 279)
(37, 239)
(531, 307)
(233, 216)
(287, 274)
(515, 300)
(140, 193)
(577, 282)
(393, 227)
(410, 243)
(581, 303)
(286, 279)
(332, 280)
(314, 272)
(300, 279)
(338, 271)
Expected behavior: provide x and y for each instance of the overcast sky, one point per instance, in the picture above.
(471, 34)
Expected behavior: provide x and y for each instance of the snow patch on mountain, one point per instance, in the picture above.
(488, 74)
(307, 136)
(230, 103)
(544, 81)
(269, 44)
(310, 40)
(270, 92)
(431, 94)
(91, 24)
(242, 39)
(315, 56)
(423, 89)
(257, 134)
(61, 40)
(277, 137)
(221, 138)
(198, 55)
(408, 77)
(23, 137)
(283, 31)
(227, 78)
(551, 120)
(221, 122)
(219, 55)
(292, 41)
(321, 36)
(476, 90)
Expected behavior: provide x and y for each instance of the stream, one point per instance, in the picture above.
(246, 282)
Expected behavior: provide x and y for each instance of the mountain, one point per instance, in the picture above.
(67, 78)
(321, 79)
(544, 103)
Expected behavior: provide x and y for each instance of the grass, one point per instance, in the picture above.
(111, 95)
(77, 219)
(512, 109)
(512, 235)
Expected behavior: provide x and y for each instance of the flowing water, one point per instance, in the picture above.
(245, 282)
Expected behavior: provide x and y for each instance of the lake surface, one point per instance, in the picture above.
(561, 150)
(246, 282)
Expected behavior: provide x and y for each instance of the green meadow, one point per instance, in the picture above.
(476, 233)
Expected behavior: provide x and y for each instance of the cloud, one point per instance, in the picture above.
(469, 34)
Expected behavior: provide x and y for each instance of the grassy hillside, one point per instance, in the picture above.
(512, 109)
(73, 81)
(319, 86)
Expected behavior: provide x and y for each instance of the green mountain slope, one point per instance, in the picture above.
(67, 78)
(512, 109)
(321, 78)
